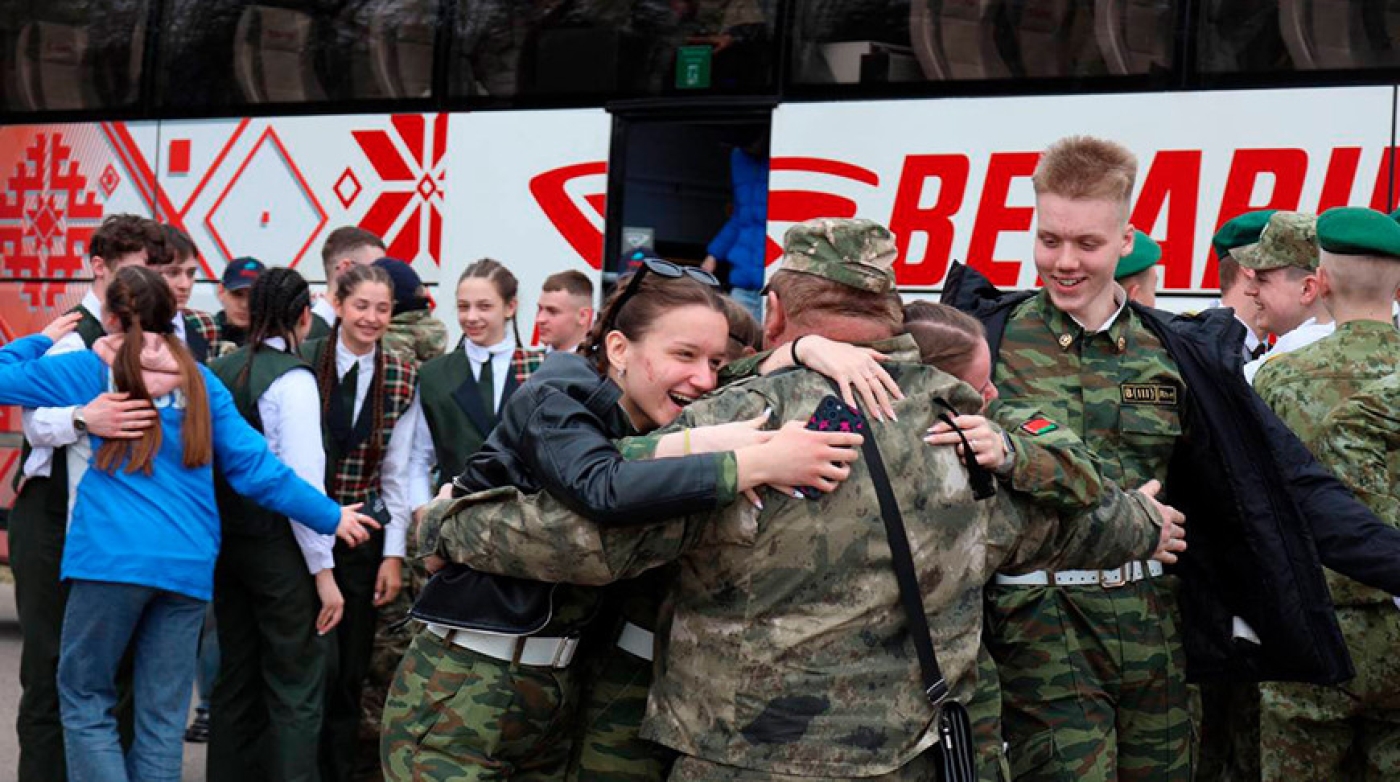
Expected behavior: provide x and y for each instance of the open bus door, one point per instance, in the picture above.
(671, 187)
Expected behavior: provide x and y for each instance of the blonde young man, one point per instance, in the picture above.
(1092, 664)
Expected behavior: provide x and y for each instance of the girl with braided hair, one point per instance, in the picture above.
(140, 552)
(369, 402)
(275, 593)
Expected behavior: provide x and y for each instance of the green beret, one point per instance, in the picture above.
(1289, 239)
(1241, 231)
(1352, 230)
(1146, 253)
(856, 253)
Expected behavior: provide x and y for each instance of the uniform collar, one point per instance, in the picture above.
(1067, 330)
(479, 354)
(344, 359)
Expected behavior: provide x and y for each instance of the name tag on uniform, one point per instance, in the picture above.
(1148, 394)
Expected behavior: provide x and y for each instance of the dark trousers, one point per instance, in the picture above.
(265, 712)
(37, 530)
(356, 570)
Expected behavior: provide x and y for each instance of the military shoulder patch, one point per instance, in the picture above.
(1038, 426)
(1148, 394)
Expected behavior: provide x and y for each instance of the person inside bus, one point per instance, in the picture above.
(741, 243)
(659, 343)
(274, 585)
(139, 559)
(369, 400)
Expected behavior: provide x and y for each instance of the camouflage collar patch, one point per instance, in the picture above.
(1038, 426)
(1161, 395)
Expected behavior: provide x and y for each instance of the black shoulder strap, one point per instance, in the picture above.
(935, 688)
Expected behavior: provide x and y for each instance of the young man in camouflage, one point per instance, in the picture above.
(1240, 232)
(788, 653)
(1092, 664)
(1310, 732)
(1284, 285)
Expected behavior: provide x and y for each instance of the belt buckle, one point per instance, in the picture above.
(1114, 582)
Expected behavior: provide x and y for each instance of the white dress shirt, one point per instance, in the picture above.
(500, 355)
(394, 479)
(1120, 297)
(1309, 332)
(291, 416)
(47, 428)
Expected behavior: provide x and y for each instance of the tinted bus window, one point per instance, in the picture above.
(1244, 36)
(227, 53)
(613, 48)
(71, 54)
(876, 41)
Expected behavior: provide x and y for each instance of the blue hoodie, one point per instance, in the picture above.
(743, 241)
(159, 530)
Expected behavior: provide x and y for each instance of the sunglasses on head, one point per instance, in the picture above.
(645, 266)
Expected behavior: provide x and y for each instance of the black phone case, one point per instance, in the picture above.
(832, 415)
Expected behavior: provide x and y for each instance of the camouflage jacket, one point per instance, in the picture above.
(1360, 440)
(415, 337)
(1303, 386)
(788, 650)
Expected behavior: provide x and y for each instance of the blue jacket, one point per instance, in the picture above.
(742, 240)
(159, 530)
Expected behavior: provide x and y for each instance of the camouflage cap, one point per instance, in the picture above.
(1146, 253)
(856, 253)
(1241, 231)
(1350, 230)
(1289, 239)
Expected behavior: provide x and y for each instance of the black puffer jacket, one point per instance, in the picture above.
(1263, 516)
(556, 435)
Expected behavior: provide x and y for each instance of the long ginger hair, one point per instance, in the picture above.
(141, 302)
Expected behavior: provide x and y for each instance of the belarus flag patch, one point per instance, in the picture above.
(1038, 426)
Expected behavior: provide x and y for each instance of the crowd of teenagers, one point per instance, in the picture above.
(862, 538)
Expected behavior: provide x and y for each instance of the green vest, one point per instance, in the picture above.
(455, 436)
(238, 514)
(320, 329)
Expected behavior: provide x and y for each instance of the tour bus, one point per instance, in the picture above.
(558, 134)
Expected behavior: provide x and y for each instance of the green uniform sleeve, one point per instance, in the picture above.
(1027, 536)
(1052, 465)
(1360, 442)
(742, 368)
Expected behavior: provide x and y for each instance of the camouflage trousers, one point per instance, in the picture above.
(1093, 683)
(985, 712)
(391, 639)
(453, 714)
(691, 769)
(612, 705)
(1347, 732)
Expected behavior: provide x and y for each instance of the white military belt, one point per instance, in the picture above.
(1108, 579)
(531, 650)
(637, 640)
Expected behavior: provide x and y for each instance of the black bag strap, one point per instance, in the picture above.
(935, 687)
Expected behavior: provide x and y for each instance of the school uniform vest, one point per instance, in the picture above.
(351, 476)
(238, 514)
(455, 409)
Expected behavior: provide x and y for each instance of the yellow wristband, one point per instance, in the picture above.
(687, 441)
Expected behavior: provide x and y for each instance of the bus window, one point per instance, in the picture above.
(226, 53)
(613, 48)
(68, 55)
(876, 41)
(1253, 36)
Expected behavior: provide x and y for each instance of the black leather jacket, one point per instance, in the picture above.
(556, 434)
(1263, 515)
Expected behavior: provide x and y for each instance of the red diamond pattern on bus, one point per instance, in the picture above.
(409, 207)
(347, 188)
(109, 180)
(47, 217)
(258, 211)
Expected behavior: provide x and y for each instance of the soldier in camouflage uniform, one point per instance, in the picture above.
(1284, 285)
(414, 335)
(756, 682)
(1351, 731)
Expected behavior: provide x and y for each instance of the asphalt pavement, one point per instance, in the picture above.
(9, 694)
